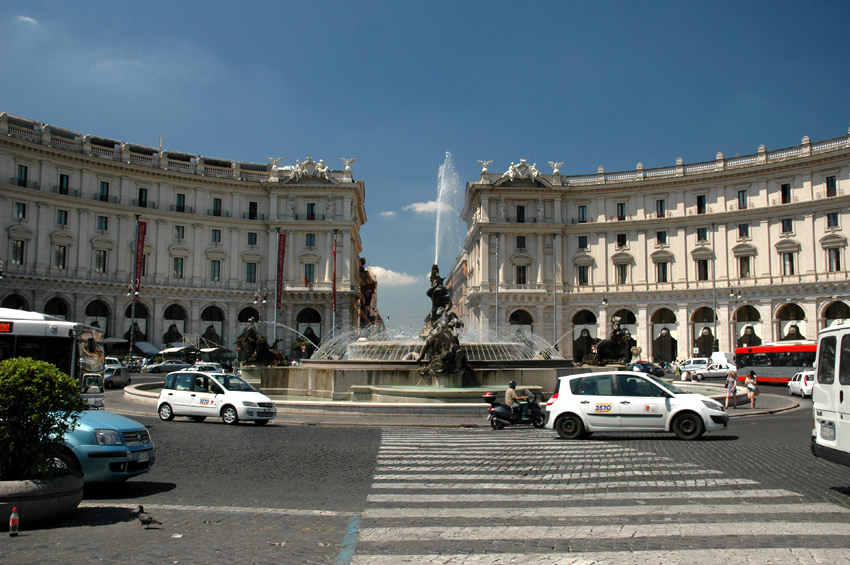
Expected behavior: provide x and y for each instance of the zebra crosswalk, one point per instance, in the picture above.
(466, 496)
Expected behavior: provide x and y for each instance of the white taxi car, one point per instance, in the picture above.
(627, 401)
(802, 383)
(200, 395)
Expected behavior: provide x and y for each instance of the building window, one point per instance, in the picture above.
(179, 232)
(832, 219)
(177, 270)
(104, 191)
(785, 192)
(521, 274)
(787, 225)
(311, 211)
(788, 264)
(60, 256)
(582, 214)
(621, 211)
(743, 231)
(583, 275)
(622, 273)
(661, 208)
(19, 247)
(252, 210)
(250, 272)
(520, 214)
(702, 269)
(622, 240)
(662, 271)
(215, 270)
(702, 208)
(144, 265)
(180, 202)
(64, 184)
(834, 259)
(309, 273)
(20, 211)
(143, 197)
(745, 270)
(22, 175)
(831, 186)
(520, 242)
(742, 200)
(102, 223)
(582, 242)
(216, 207)
(310, 240)
(661, 238)
(215, 236)
(100, 256)
(61, 217)
(252, 238)
(702, 234)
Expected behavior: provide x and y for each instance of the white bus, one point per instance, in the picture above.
(76, 349)
(831, 396)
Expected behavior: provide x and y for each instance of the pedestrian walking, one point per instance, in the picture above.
(732, 387)
(752, 388)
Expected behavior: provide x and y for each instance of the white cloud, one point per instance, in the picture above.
(26, 19)
(430, 207)
(392, 278)
(388, 213)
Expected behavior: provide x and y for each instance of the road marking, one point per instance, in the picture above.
(596, 532)
(689, 483)
(554, 497)
(349, 544)
(225, 509)
(524, 479)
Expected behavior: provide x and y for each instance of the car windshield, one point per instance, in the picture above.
(665, 385)
(235, 384)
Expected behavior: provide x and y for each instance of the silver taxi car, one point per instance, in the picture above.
(628, 401)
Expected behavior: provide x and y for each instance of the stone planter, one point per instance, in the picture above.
(39, 500)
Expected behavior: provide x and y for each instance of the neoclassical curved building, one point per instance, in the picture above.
(738, 250)
(70, 204)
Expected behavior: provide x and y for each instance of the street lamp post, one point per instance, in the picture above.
(134, 289)
(497, 283)
(716, 342)
(276, 287)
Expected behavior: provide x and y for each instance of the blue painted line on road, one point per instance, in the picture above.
(349, 544)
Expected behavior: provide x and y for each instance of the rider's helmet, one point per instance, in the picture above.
(512, 384)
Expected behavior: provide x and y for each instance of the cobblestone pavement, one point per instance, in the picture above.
(336, 494)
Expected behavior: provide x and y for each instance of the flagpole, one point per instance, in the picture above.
(333, 315)
(276, 288)
(134, 288)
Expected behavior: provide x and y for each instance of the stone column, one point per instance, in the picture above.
(541, 260)
(197, 273)
(162, 270)
(83, 230)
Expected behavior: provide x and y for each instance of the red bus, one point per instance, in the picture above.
(776, 362)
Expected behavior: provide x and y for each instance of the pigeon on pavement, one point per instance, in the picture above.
(146, 519)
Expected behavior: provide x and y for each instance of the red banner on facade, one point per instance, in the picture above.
(334, 279)
(281, 254)
(140, 254)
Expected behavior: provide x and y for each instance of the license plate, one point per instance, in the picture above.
(143, 456)
(265, 414)
(827, 431)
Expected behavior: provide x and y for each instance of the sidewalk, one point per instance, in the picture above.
(137, 402)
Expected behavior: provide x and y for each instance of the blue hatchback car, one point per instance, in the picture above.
(107, 447)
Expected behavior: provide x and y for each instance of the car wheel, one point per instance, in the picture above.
(261, 422)
(688, 426)
(165, 412)
(108, 384)
(64, 460)
(496, 424)
(128, 382)
(539, 422)
(155, 370)
(570, 427)
(199, 418)
(229, 415)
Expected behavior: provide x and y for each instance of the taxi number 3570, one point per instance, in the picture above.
(602, 408)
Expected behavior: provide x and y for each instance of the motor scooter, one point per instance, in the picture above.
(501, 415)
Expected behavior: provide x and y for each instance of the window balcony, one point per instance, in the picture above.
(250, 216)
(105, 198)
(181, 209)
(65, 191)
(145, 204)
(24, 183)
(219, 213)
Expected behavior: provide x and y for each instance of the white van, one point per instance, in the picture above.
(831, 396)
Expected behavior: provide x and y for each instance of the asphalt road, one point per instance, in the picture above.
(336, 494)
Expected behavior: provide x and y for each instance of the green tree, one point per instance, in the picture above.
(38, 404)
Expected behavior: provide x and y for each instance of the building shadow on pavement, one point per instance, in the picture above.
(127, 490)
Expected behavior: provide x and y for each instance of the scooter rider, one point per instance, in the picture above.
(512, 400)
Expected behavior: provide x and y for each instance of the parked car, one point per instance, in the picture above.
(695, 364)
(107, 447)
(208, 368)
(802, 383)
(115, 376)
(714, 370)
(167, 366)
(628, 401)
(112, 362)
(200, 395)
(647, 367)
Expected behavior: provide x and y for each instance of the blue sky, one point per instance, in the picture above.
(398, 84)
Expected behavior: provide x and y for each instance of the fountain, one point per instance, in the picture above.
(444, 362)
